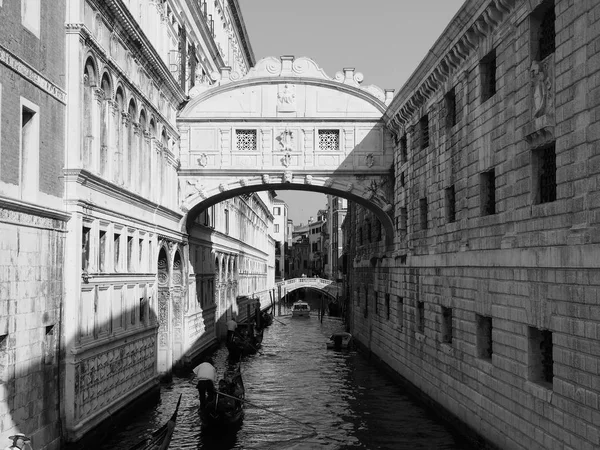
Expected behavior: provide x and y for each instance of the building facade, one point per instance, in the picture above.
(488, 304)
(33, 223)
(336, 211)
(280, 220)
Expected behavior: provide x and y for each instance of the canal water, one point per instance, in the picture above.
(302, 396)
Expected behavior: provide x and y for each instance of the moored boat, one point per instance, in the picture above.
(161, 438)
(340, 340)
(300, 309)
(226, 409)
(246, 340)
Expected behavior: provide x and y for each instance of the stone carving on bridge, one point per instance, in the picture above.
(286, 98)
(377, 195)
(286, 160)
(222, 187)
(349, 187)
(265, 178)
(370, 160)
(308, 179)
(286, 140)
(288, 176)
(328, 182)
(195, 187)
(203, 160)
(244, 182)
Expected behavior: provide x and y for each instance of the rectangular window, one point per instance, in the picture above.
(376, 295)
(30, 150)
(329, 140)
(450, 204)
(387, 306)
(404, 219)
(487, 69)
(31, 15)
(276, 228)
(420, 317)
(277, 211)
(130, 253)
(117, 251)
(245, 140)
(450, 102)
(543, 165)
(143, 302)
(423, 212)
(140, 254)
(102, 251)
(403, 149)
(541, 362)
(487, 192)
(543, 31)
(446, 325)
(226, 221)
(85, 248)
(484, 337)
(400, 312)
(424, 130)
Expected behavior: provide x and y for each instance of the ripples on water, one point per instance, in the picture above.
(323, 399)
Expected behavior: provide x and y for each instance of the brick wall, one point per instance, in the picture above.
(528, 268)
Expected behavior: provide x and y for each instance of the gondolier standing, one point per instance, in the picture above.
(207, 376)
(231, 327)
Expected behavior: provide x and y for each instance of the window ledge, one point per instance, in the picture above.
(541, 390)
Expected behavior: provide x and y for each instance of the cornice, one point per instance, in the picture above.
(33, 209)
(100, 52)
(140, 45)
(98, 184)
(475, 21)
(241, 26)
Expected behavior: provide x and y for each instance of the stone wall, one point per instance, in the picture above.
(31, 292)
(494, 311)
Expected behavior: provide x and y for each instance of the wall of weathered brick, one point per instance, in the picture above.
(31, 291)
(530, 266)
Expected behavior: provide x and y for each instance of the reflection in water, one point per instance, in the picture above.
(323, 399)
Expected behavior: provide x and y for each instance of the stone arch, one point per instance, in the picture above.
(106, 84)
(89, 82)
(91, 67)
(177, 293)
(163, 309)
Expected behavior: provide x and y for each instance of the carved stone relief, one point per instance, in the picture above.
(286, 98)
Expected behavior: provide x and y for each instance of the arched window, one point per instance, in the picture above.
(118, 158)
(143, 154)
(89, 82)
(152, 158)
(162, 164)
(104, 120)
(131, 144)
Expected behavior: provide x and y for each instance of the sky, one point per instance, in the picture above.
(385, 40)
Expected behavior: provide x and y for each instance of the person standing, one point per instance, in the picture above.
(231, 327)
(207, 376)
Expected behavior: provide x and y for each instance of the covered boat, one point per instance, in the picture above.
(340, 340)
(226, 409)
(161, 438)
(300, 309)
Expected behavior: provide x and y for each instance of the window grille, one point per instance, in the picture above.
(488, 193)
(450, 204)
(547, 33)
(421, 317)
(488, 76)
(484, 337)
(447, 325)
(403, 149)
(246, 140)
(424, 127)
(423, 212)
(450, 108)
(387, 306)
(547, 175)
(329, 140)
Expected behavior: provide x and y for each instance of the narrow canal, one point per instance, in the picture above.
(323, 399)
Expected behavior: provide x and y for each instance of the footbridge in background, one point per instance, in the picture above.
(329, 287)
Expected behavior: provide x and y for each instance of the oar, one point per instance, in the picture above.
(280, 321)
(268, 410)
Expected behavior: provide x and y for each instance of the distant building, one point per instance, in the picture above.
(280, 229)
(336, 208)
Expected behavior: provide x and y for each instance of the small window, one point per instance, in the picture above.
(423, 212)
(487, 192)
(143, 302)
(404, 219)
(424, 131)
(117, 251)
(31, 15)
(329, 140)
(487, 69)
(30, 151)
(484, 337)
(446, 325)
(544, 174)
(420, 317)
(400, 312)
(102, 251)
(450, 102)
(276, 226)
(130, 267)
(541, 361)
(246, 140)
(387, 306)
(85, 248)
(543, 30)
(376, 295)
(226, 221)
(277, 211)
(403, 149)
(450, 204)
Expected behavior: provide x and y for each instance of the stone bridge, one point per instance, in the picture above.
(330, 287)
(286, 125)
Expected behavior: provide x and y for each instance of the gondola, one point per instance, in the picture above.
(246, 341)
(161, 438)
(224, 410)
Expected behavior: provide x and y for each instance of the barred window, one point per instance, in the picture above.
(450, 100)
(450, 204)
(544, 173)
(403, 149)
(329, 140)
(541, 362)
(488, 75)
(487, 193)
(424, 128)
(484, 337)
(246, 140)
(543, 30)
(423, 212)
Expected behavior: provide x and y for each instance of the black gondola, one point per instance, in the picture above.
(161, 438)
(226, 409)
(246, 340)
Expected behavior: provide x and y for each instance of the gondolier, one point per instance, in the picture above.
(231, 327)
(207, 376)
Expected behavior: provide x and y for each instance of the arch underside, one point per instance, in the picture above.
(363, 191)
